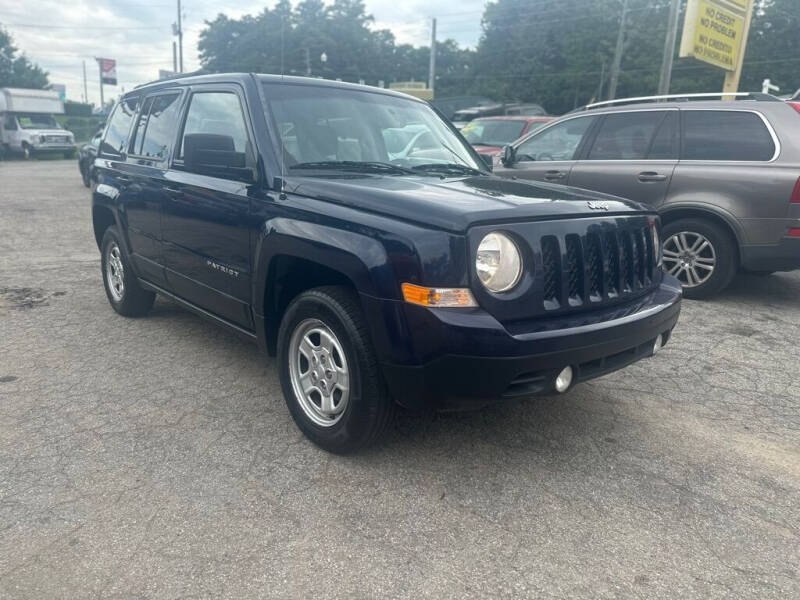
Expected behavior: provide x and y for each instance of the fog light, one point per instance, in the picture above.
(564, 379)
(659, 343)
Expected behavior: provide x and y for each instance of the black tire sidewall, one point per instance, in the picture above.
(353, 430)
(724, 250)
(135, 300)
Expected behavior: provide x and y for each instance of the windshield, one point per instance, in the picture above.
(37, 121)
(327, 127)
(493, 133)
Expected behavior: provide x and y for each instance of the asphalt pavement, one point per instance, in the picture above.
(155, 457)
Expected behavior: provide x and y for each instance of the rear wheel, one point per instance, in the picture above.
(329, 372)
(701, 254)
(124, 293)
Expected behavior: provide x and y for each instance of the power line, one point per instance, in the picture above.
(92, 27)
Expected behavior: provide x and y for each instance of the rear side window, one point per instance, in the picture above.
(159, 129)
(119, 126)
(625, 136)
(665, 142)
(217, 113)
(725, 135)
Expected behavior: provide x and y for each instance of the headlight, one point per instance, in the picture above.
(498, 262)
(656, 244)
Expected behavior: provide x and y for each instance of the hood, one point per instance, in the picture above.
(457, 204)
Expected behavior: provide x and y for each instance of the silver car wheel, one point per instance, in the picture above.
(690, 257)
(318, 372)
(115, 272)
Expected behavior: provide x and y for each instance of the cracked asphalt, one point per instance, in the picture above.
(155, 458)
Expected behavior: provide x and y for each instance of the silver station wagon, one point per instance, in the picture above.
(723, 174)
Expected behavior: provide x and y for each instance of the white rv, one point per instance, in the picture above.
(28, 125)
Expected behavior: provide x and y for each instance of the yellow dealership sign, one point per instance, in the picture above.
(713, 31)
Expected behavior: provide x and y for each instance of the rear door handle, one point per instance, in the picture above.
(647, 176)
(554, 174)
(123, 179)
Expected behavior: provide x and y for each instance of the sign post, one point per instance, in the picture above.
(732, 77)
(715, 32)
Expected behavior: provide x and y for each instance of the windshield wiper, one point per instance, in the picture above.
(447, 169)
(355, 166)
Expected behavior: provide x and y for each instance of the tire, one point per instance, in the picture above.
(85, 176)
(360, 416)
(129, 299)
(720, 252)
(27, 152)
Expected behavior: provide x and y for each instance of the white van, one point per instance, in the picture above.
(28, 125)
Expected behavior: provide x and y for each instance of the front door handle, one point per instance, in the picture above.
(648, 176)
(554, 174)
(173, 192)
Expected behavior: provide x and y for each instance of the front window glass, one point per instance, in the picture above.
(327, 127)
(558, 142)
(37, 121)
(493, 133)
(217, 113)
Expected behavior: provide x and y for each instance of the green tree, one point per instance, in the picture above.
(17, 70)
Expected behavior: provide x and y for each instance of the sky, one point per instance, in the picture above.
(60, 34)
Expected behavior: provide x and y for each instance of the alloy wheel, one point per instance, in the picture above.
(115, 272)
(689, 256)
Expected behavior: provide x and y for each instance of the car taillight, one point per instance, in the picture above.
(796, 193)
(794, 105)
(794, 231)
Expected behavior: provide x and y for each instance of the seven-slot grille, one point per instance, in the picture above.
(596, 266)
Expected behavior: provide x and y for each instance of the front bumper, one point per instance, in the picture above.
(783, 256)
(468, 358)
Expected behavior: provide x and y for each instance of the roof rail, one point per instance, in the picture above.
(173, 77)
(760, 96)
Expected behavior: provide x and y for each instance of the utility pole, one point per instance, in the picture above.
(174, 57)
(180, 39)
(432, 65)
(100, 68)
(612, 85)
(85, 90)
(669, 49)
(308, 62)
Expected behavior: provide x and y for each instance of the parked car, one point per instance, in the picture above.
(270, 205)
(28, 126)
(86, 155)
(450, 104)
(722, 174)
(489, 134)
(466, 115)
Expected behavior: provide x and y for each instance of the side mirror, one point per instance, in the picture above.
(509, 156)
(215, 154)
(488, 160)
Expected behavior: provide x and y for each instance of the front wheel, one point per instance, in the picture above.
(329, 372)
(124, 293)
(701, 254)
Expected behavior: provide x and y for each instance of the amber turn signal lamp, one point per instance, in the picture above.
(438, 297)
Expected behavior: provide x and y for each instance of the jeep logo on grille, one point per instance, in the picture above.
(597, 205)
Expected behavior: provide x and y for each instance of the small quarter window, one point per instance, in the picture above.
(725, 135)
(119, 127)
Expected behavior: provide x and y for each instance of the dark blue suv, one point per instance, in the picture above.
(354, 234)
